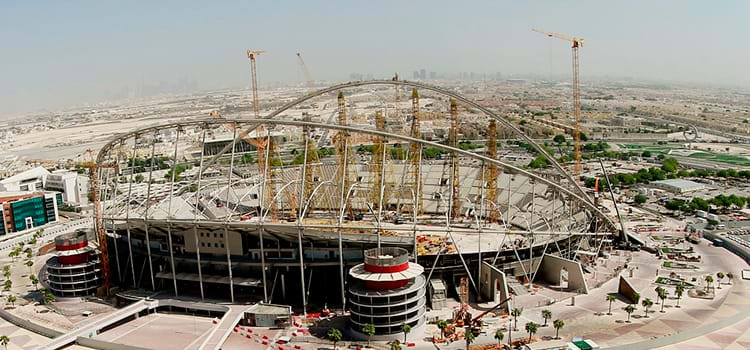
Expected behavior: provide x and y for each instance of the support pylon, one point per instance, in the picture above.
(416, 177)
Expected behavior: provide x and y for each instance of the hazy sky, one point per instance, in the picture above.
(65, 53)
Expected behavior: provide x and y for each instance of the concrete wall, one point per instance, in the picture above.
(26, 324)
(625, 289)
(549, 271)
(493, 285)
(105, 345)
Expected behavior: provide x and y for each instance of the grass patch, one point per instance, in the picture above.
(723, 158)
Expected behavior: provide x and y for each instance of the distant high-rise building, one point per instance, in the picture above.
(423, 74)
(415, 75)
(433, 75)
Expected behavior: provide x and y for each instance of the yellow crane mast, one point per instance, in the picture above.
(376, 170)
(491, 172)
(453, 142)
(310, 158)
(414, 149)
(343, 157)
(576, 44)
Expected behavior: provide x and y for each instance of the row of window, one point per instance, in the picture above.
(216, 235)
(216, 245)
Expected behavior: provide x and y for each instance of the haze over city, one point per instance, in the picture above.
(486, 175)
(64, 54)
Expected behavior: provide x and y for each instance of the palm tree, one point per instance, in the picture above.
(678, 290)
(610, 299)
(4, 341)
(546, 315)
(629, 309)
(369, 330)
(406, 329)
(663, 296)
(469, 338)
(499, 335)
(30, 263)
(516, 313)
(531, 327)
(558, 324)
(658, 291)
(720, 276)
(11, 299)
(709, 282)
(7, 285)
(335, 336)
(34, 281)
(647, 303)
(636, 299)
(441, 324)
(730, 277)
(395, 345)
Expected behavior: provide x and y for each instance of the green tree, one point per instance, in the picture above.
(7, 285)
(11, 299)
(720, 277)
(441, 325)
(395, 345)
(670, 165)
(499, 336)
(516, 313)
(335, 336)
(709, 282)
(30, 264)
(640, 199)
(546, 315)
(610, 299)
(531, 328)
(559, 139)
(646, 154)
(4, 341)
(730, 277)
(369, 330)
(678, 290)
(647, 303)
(406, 329)
(139, 178)
(558, 324)
(47, 296)
(636, 298)
(469, 338)
(629, 309)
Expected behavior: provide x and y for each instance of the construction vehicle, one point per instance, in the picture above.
(576, 44)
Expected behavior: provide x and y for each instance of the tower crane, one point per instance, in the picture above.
(576, 44)
(308, 76)
(262, 144)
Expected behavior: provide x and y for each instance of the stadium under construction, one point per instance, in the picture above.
(279, 213)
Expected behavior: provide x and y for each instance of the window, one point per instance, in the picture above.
(201, 234)
(443, 182)
(222, 245)
(203, 244)
(216, 245)
(221, 235)
(215, 235)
